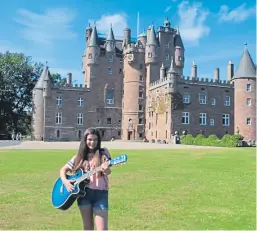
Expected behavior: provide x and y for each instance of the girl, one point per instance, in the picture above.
(95, 202)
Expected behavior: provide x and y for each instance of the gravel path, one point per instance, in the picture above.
(74, 145)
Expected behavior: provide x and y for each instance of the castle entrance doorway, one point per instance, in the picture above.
(129, 135)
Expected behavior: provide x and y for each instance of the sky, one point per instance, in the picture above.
(213, 32)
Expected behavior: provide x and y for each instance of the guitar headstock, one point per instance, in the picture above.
(122, 159)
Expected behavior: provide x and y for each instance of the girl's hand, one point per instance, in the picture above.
(68, 184)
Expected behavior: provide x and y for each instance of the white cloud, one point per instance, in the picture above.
(192, 23)
(118, 22)
(238, 14)
(168, 8)
(53, 24)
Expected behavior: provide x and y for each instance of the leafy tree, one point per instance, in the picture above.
(58, 81)
(18, 76)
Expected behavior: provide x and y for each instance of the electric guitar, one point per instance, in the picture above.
(63, 199)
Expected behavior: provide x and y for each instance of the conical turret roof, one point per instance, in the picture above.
(45, 75)
(246, 67)
(110, 36)
(151, 37)
(93, 38)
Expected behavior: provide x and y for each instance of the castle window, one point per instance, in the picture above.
(140, 121)
(248, 121)
(98, 121)
(109, 70)
(225, 120)
(140, 78)
(213, 101)
(166, 117)
(110, 59)
(149, 55)
(186, 98)
(80, 119)
(119, 133)
(140, 95)
(185, 118)
(149, 125)
(79, 135)
(110, 96)
(156, 119)
(248, 102)
(89, 56)
(140, 107)
(202, 118)
(58, 134)
(119, 122)
(58, 118)
(202, 98)
(59, 100)
(248, 87)
(120, 71)
(80, 101)
(109, 120)
(211, 122)
(227, 101)
(167, 56)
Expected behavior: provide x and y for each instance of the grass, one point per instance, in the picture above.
(194, 189)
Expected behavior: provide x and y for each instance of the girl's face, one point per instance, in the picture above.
(92, 141)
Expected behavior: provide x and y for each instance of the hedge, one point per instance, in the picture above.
(226, 141)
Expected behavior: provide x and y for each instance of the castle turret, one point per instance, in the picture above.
(127, 37)
(110, 42)
(133, 115)
(41, 90)
(88, 32)
(179, 52)
(166, 23)
(151, 54)
(230, 70)
(245, 97)
(92, 56)
(172, 77)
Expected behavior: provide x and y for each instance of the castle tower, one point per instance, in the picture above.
(179, 53)
(41, 90)
(133, 117)
(245, 97)
(92, 57)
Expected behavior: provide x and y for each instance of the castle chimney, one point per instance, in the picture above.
(216, 74)
(230, 70)
(194, 70)
(69, 78)
(162, 72)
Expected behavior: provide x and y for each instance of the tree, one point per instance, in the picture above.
(18, 76)
(58, 81)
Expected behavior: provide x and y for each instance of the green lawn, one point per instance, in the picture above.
(158, 189)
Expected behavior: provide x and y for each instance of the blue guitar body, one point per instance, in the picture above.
(63, 199)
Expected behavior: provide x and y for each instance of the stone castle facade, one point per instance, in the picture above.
(135, 89)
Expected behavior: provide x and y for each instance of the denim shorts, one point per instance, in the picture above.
(98, 199)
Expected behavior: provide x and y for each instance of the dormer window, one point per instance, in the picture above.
(89, 56)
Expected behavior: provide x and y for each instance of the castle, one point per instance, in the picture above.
(135, 89)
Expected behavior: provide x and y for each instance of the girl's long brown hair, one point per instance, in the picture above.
(83, 151)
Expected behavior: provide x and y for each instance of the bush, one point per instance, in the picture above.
(187, 139)
(226, 141)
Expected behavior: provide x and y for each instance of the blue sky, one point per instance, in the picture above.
(213, 32)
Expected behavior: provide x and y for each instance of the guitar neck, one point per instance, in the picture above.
(89, 174)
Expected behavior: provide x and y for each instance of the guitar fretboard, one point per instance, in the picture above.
(88, 174)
